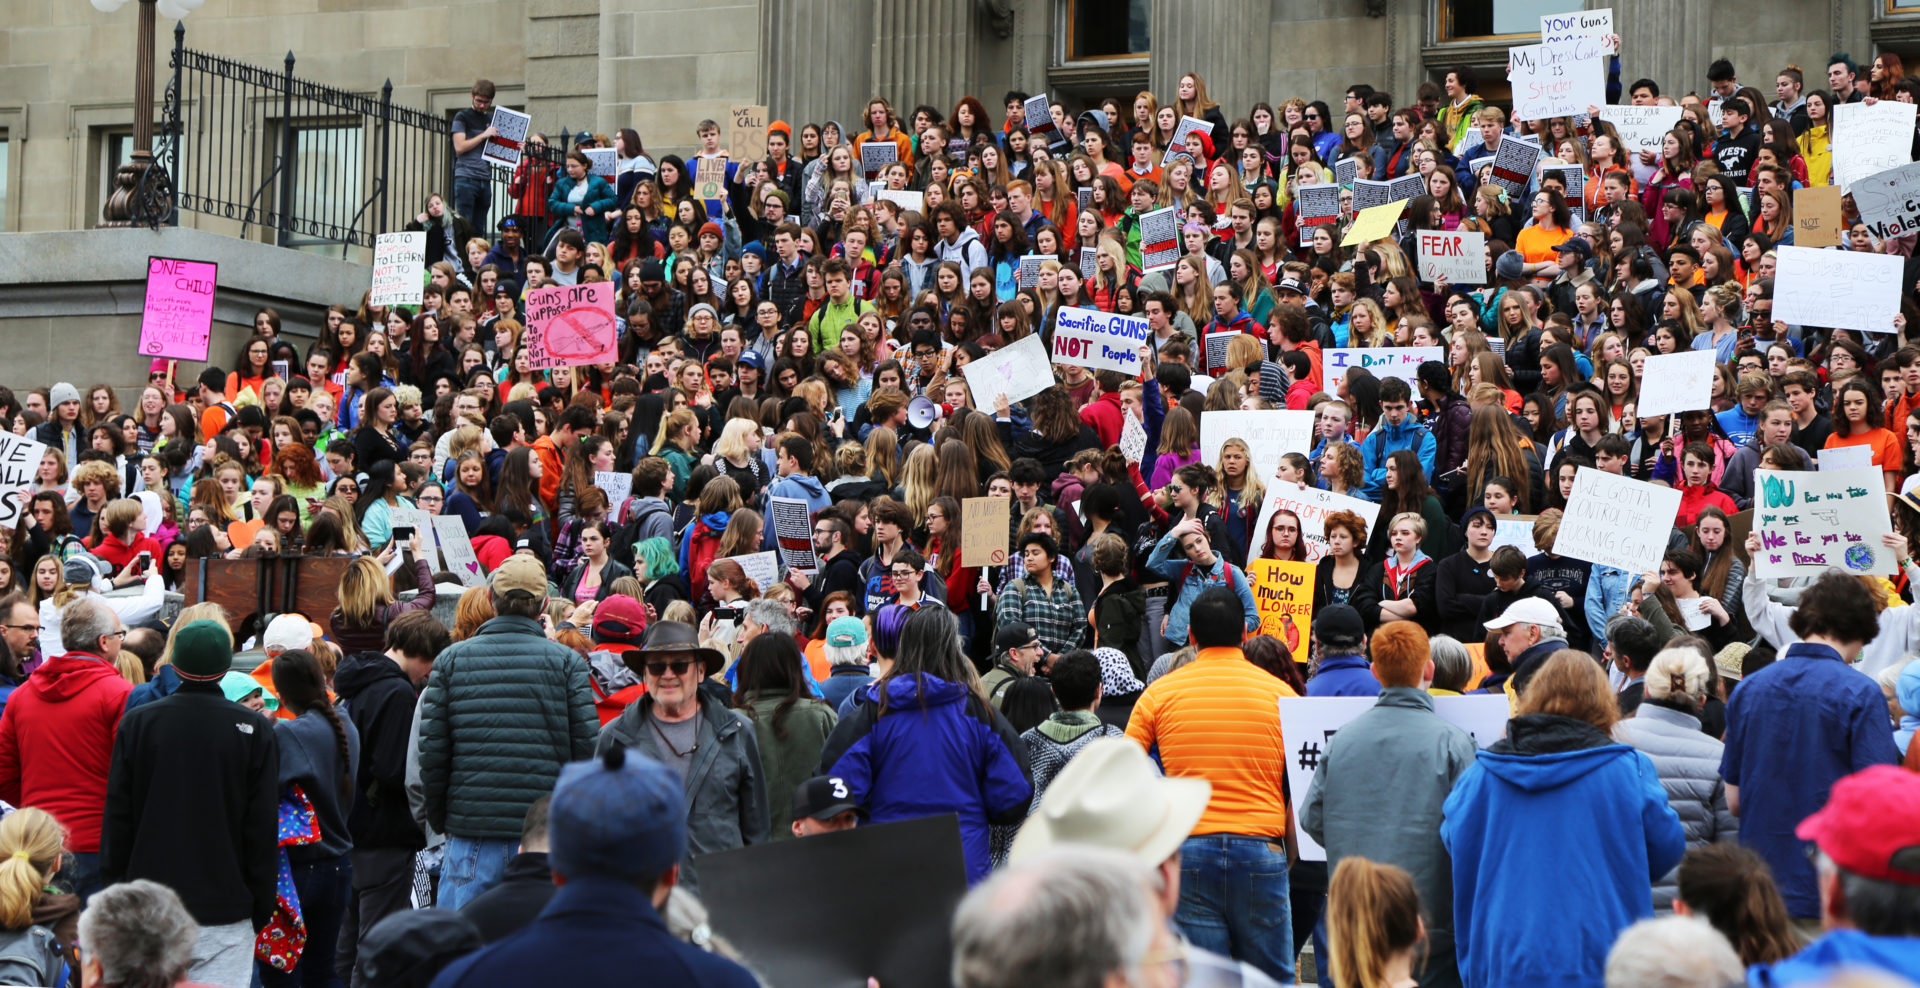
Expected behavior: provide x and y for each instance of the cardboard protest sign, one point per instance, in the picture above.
(1159, 239)
(1843, 289)
(1312, 506)
(1642, 128)
(571, 326)
(1596, 24)
(619, 486)
(399, 259)
(747, 133)
(510, 136)
(19, 461)
(1315, 205)
(910, 202)
(1809, 521)
(1557, 79)
(1460, 256)
(1268, 434)
(1845, 457)
(1038, 113)
(792, 522)
(1100, 340)
(1617, 521)
(894, 930)
(763, 568)
(177, 318)
(1817, 220)
(1676, 382)
(1889, 202)
(602, 162)
(875, 155)
(1513, 163)
(1283, 594)
(1177, 147)
(984, 529)
(456, 550)
(1383, 362)
(1373, 224)
(1308, 724)
(1868, 140)
(710, 178)
(1019, 370)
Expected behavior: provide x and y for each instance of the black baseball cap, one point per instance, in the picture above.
(822, 797)
(1016, 635)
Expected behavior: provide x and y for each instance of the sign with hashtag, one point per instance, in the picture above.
(1308, 725)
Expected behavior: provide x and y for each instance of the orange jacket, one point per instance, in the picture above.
(550, 468)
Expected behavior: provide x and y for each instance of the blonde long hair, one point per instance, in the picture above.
(1252, 494)
(31, 843)
(364, 589)
(1373, 912)
(204, 611)
(920, 479)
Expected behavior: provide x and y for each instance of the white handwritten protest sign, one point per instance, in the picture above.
(1557, 79)
(1307, 724)
(763, 568)
(1019, 371)
(1133, 438)
(1516, 531)
(1846, 457)
(510, 134)
(1676, 382)
(1100, 340)
(1383, 362)
(571, 325)
(1513, 163)
(1177, 148)
(457, 550)
(909, 202)
(1596, 24)
(1889, 201)
(1809, 521)
(1460, 256)
(603, 161)
(1616, 521)
(1159, 239)
(1268, 434)
(875, 155)
(792, 531)
(619, 486)
(422, 525)
(19, 461)
(1642, 128)
(398, 261)
(1868, 140)
(1312, 506)
(1844, 289)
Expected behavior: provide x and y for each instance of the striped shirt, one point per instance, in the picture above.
(1218, 718)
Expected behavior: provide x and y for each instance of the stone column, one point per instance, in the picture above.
(1670, 43)
(923, 52)
(1226, 41)
(818, 55)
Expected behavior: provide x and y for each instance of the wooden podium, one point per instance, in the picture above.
(307, 585)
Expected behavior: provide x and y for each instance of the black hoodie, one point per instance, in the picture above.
(377, 696)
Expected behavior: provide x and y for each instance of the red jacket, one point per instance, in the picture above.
(118, 554)
(1693, 499)
(56, 742)
(1106, 417)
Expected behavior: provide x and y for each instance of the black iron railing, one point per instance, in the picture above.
(311, 164)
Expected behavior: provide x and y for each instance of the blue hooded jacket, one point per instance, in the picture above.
(938, 749)
(1384, 441)
(1344, 675)
(1907, 690)
(1556, 835)
(1821, 959)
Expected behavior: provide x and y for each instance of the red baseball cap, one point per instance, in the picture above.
(1871, 825)
(619, 620)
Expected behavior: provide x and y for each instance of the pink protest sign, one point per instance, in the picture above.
(571, 326)
(177, 320)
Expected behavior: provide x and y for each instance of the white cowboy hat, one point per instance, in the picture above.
(1110, 795)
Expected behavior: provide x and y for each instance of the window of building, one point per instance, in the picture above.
(327, 173)
(116, 149)
(1096, 30)
(6, 149)
(1464, 19)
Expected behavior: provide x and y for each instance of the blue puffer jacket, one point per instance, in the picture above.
(938, 748)
(1556, 834)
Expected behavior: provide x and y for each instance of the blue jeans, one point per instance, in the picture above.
(471, 866)
(1233, 901)
(84, 867)
(324, 888)
(473, 198)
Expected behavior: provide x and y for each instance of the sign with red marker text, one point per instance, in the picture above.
(1283, 595)
(1560, 79)
(984, 530)
(571, 326)
(177, 319)
(1312, 506)
(1811, 521)
(1100, 340)
(398, 261)
(1460, 256)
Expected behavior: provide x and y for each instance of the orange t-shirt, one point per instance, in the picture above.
(1216, 718)
(1886, 446)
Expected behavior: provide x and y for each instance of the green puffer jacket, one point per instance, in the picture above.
(502, 712)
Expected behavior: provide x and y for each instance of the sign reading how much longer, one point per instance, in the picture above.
(1100, 340)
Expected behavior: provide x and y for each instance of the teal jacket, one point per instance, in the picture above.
(600, 196)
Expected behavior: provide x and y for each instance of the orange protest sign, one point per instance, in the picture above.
(1283, 594)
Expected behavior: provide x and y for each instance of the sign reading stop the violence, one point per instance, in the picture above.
(571, 326)
(1100, 340)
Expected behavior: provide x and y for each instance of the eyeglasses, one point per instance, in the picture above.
(35, 627)
(122, 633)
(679, 667)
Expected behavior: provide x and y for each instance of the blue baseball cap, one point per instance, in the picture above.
(621, 815)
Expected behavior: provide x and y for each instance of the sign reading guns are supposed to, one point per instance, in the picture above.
(1402, 362)
(1810, 521)
(1100, 340)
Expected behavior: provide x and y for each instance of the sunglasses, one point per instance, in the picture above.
(679, 667)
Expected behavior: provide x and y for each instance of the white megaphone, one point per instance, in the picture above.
(921, 412)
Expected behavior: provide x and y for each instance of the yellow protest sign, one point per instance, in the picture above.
(1373, 223)
(1283, 594)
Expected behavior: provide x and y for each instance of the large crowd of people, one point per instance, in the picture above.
(511, 774)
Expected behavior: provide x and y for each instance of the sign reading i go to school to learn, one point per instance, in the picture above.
(1283, 594)
(177, 319)
(1811, 521)
(1100, 340)
(399, 259)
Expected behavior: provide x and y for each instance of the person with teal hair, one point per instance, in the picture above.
(657, 566)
